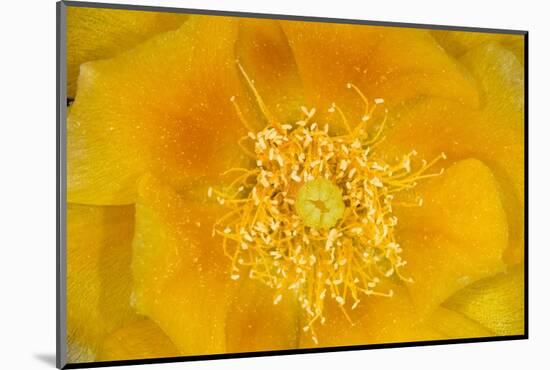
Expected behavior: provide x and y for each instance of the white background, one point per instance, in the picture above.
(27, 182)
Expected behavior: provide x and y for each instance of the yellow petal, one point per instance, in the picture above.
(180, 276)
(434, 126)
(457, 43)
(263, 51)
(375, 320)
(517, 46)
(255, 323)
(501, 79)
(454, 325)
(456, 237)
(138, 340)
(394, 64)
(102, 33)
(98, 276)
(497, 302)
(163, 107)
(182, 280)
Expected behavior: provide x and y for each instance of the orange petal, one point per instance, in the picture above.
(497, 302)
(394, 64)
(98, 276)
(141, 339)
(182, 281)
(456, 237)
(94, 34)
(163, 107)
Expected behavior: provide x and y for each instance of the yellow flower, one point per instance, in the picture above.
(160, 140)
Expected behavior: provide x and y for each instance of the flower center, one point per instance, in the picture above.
(319, 203)
(315, 215)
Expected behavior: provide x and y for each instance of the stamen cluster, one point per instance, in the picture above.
(266, 239)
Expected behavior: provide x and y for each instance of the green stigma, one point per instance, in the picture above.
(319, 203)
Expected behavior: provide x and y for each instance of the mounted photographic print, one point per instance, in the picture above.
(235, 184)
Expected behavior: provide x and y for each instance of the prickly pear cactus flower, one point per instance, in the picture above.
(239, 185)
